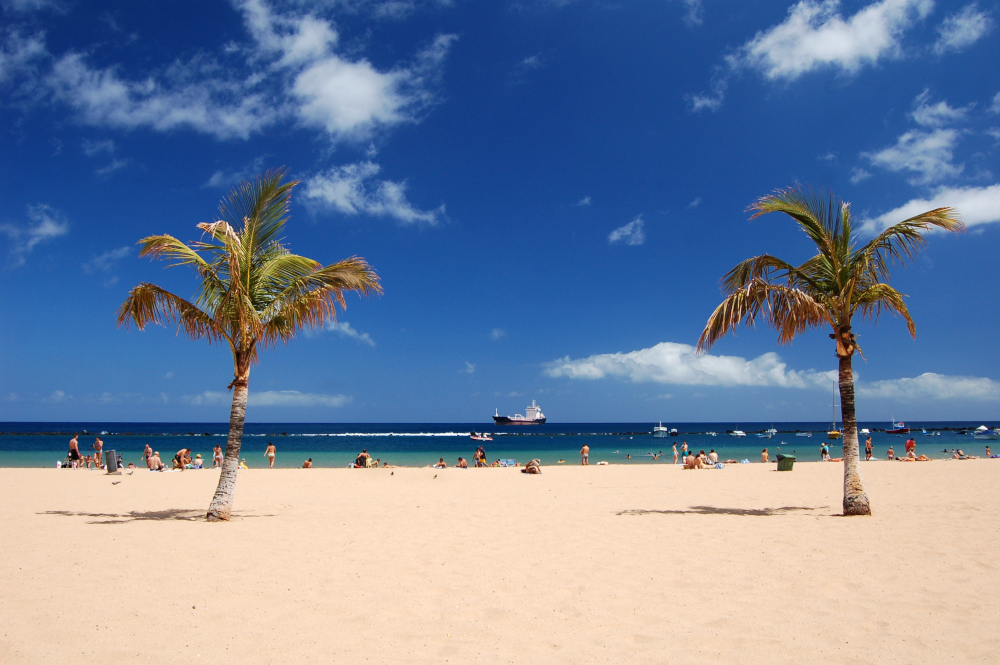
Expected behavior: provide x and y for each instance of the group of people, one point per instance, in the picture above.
(77, 460)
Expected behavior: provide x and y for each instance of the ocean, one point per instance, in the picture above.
(32, 444)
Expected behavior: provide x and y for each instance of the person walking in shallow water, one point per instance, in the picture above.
(585, 455)
(269, 454)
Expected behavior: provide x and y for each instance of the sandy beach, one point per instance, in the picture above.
(614, 564)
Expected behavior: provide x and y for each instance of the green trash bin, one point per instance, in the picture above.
(785, 462)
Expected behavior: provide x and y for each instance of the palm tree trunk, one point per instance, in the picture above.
(855, 499)
(222, 503)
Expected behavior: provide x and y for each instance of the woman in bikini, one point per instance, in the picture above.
(269, 454)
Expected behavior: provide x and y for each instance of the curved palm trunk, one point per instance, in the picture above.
(222, 503)
(855, 499)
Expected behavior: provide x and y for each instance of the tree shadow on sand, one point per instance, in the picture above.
(715, 510)
(173, 515)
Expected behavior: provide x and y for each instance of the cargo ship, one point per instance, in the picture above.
(533, 416)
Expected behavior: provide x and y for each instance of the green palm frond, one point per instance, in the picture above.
(877, 297)
(900, 242)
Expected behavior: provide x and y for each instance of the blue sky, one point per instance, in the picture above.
(549, 189)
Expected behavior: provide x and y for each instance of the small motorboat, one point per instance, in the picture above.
(983, 433)
(803, 434)
(660, 432)
(480, 437)
(865, 430)
(737, 432)
(926, 433)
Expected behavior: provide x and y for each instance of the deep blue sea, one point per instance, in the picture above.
(32, 444)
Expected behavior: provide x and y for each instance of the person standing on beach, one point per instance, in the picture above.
(868, 449)
(217, 457)
(147, 452)
(684, 449)
(74, 452)
(269, 454)
(675, 453)
(585, 455)
(910, 446)
(889, 454)
(98, 446)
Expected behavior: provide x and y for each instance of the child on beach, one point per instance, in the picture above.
(764, 456)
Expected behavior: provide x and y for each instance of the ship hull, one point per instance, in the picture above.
(504, 420)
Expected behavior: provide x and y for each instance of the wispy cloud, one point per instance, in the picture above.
(498, 334)
(976, 205)
(585, 201)
(470, 368)
(632, 233)
(45, 224)
(225, 179)
(292, 398)
(928, 154)
(105, 262)
(695, 203)
(673, 363)
(353, 189)
(19, 52)
(344, 329)
(962, 29)
(933, 386)
(936, 115)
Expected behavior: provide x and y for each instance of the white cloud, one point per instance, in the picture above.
(710, 101)
(18, 52)
(695, 203)
(995, 106)
(962, 29)
(585, 201)
(632, 233)
(936, 115)
(112, 167)
(928, 154)
(344, 329)
(46, 223)
(353, 189)
(470, 368)
(270, 398)
(290, 72)
(933, 386)
(815, 36)
(106, 261)
(221, 108)
(498, 334)
(994, 132)
(858, 174)
(976, 205)
(672, 363)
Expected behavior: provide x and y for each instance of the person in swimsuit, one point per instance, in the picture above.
(308, 464)
(462, 464)
(155, 463)
(269, 454)
(684, 449)
(146, 454)
(585, 455)
(824, 453)
(74, 452)
(764, 456)
(675, 453)
(890, 454)
(441, 464)
(217, 457)
(713, 456)
(868, 449)
(98, 446)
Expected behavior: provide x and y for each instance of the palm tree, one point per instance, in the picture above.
(841, 280)
(252, 293)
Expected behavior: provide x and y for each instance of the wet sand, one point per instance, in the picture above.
(622, 564)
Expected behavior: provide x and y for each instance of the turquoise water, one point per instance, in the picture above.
(337, 445)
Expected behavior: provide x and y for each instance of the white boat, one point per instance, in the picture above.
(480, 437)
(711, 434)
(737, 432)
(660, 432)
(803, 434)
(865, 430)
(926, 433)
(982, 433)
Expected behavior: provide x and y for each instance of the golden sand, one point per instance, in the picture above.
(615, 564)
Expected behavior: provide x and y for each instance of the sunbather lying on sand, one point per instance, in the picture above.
(534, 466)
(914, 458)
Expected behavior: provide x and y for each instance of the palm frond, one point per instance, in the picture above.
(871, 301)
(149, 303)
(900, 242)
